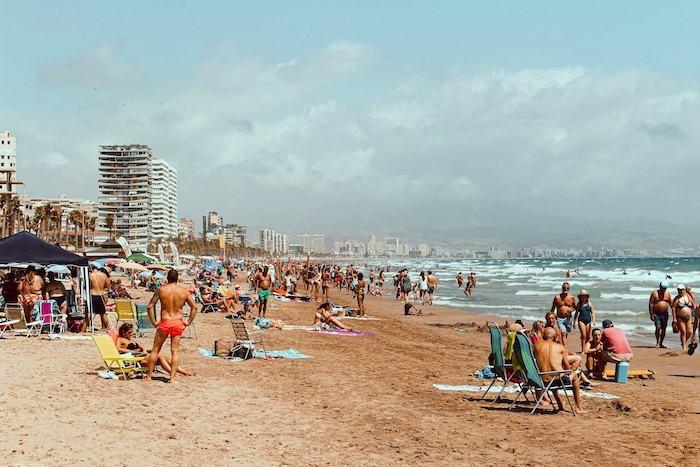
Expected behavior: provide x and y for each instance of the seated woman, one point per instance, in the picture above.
(55, 290)
(125, 345)
(324, 314)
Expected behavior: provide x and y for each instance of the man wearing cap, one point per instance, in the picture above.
(616, 349)
(564, 305)
(659, 307)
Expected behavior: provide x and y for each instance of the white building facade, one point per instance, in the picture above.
(312, 243)
(164, 220)
(125, 192)
(8, 162)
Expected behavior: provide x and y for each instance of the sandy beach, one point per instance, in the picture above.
(366, 400)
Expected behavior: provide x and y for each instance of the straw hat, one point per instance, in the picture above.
(584, 292)
(515, 327)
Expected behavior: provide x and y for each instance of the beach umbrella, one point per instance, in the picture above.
(142, 257)
(130, 265)
(58, 269)
(113, 261)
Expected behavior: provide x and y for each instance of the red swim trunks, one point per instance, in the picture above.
(172, 327)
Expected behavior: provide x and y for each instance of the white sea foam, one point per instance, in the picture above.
(533, 292)
(502, 307)
(622, 296)
(604, 313)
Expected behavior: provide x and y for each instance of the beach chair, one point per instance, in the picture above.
(501, 369)
(528, 364)
(51, 317)
(114, 361)
(244, 340)
(143, 322)
(6, 326)
(206, 307)
(125, 311)
(15, 312)
(190, 330)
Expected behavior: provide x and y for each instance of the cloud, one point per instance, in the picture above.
(340, 139)
(101, 67)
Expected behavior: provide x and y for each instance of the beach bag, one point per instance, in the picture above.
(242, 352)
(222, 347)
(674, 325)
(262, 323)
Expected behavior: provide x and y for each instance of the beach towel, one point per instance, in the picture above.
(293, 354)
(610, 373)
(67, 337)
(343, 332)
(515, 389)
(299, 327)
(360, 318)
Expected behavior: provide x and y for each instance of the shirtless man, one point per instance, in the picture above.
(659, 307)
(551, 356)
(460, 280)
(99, 285)
(432, 286)
(172, 298)
(264, 281)
(31, 289)
(564, 304)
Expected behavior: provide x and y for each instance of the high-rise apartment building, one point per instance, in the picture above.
(235, 234)
(125, 191)
(212, 223)
(267, 240)
(186, 228)
(313, 243)
(67, 205)
(164, 221)
(281, 245)
(8, 163)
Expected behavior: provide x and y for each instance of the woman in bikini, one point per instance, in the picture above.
(126, 345)
(585, 316)
(324, 314)
(683, 306)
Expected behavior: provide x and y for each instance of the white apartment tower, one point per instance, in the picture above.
(164, 220)
(125, 191)
(313, 243)
(8, 163)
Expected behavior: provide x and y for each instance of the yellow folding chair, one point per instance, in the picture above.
(114, 361)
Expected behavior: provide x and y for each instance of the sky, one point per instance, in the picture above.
(434, 120)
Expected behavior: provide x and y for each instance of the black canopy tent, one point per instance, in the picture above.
(25, 247)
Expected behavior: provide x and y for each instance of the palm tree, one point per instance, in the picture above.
(109, 223)
(74, 217)
(92, 224)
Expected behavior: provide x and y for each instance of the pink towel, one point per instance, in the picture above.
(344, 332)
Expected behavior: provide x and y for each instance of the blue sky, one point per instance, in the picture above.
(361, 94)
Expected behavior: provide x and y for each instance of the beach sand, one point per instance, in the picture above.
(365, 400)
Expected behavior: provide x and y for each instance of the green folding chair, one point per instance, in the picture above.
(500, 367)
(526, 360)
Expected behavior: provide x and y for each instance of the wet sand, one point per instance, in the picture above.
(365, 400)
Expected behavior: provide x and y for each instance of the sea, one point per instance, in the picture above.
(524, 288)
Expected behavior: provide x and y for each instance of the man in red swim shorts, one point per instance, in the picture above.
(172, 298)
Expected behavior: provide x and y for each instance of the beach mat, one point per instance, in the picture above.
(300, 327)
(343, 332)
(513, 390)
(360, 318)
(643, 374)
(292, 354)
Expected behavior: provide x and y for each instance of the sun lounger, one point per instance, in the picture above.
(206, 307)
(126, 312)
(143, 322)
(244, 340)
(113, 360)
(500, 367)
(15, 312)
(528, 364)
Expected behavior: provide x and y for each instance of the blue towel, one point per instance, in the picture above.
(257, 353)
(485, 373)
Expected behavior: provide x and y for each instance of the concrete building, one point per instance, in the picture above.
(125, 191)
(8, 163)
(66, 203)
(274, 242)
(312, 243)
(281, 244)
(186, 228)
(212, 223)
(164, 221)
(235, 234)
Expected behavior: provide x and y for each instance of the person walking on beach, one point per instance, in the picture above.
(264, 281)
(172, 298)
(405, 286)
(659, 307)
(584, 316)
(361, 294)
(564, 305)
(460, 280)
(422, 287)
(432, 286)
(682, 309)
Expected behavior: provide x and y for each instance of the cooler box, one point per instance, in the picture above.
(621, 370)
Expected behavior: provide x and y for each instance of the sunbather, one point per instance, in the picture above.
(126, 345)
(552, 356)
(55, 290)
(324, 314)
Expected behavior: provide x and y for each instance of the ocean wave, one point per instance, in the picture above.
(503, 307)
(648, 288)
(622, 296)
(620, 313)
(533, 292)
